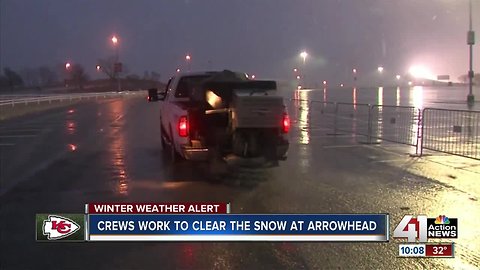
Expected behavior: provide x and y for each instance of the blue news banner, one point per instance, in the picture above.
(238, 227)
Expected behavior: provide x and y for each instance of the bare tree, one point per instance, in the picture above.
(29, 76)
(79, 77)
(47, 76)
(154, 76)
(107, 66)
(13, 78)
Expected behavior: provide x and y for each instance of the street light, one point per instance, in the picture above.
(188, 58)
(380, 69)
(398, 77)
(178, 70)
(304, 55)
(253, 77)
(98, 67)
(295, 70)
(68, 66)
(116, 65)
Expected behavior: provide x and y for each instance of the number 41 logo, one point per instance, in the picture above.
(412, 228)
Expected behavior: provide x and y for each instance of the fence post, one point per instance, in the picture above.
(421, 114)
(369, 123)
(335, 119)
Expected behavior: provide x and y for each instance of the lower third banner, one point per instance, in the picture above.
(239, 227)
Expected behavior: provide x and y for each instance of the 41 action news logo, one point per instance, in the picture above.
(422, 228)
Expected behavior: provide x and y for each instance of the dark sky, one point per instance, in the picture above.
(263, 37)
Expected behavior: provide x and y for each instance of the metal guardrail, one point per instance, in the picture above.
(455, 132)
(65, 97)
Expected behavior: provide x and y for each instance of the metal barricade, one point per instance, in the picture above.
(399, 124)
(352, 118)
(455, 132)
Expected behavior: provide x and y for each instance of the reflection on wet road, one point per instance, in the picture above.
(110, 151)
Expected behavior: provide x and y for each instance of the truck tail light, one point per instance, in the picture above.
(285, 123)
(183, 126)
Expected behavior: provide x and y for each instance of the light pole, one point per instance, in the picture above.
(68, 68)
(354, 71)
(304, 55)
(116, 65)
(188, 58)
(470, 43)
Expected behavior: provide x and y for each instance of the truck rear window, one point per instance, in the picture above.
(185, 84)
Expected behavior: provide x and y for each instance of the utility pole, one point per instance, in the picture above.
(470, 43)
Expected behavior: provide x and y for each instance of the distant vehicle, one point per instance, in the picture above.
(212, 115)
(152, 94)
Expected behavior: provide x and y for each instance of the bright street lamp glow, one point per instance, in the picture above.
(187, 57)
(253, 77)
(114, 40)
(354, 70)
(398, 77)
(298, 77)
(324, 82)
(304, 55)
(68, 65)
(420, 72)
(295, 70)
(380, 69)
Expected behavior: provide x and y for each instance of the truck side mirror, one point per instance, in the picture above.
(162, 95)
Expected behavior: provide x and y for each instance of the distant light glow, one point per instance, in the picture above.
(398, 77)
(421, 72)
(324, 82)
(410, 83)
(299, 87)
(72, 147)
(114, 40)
(354, 70)
(253, 77)
(304, 55)
(298, 77)
(380, 69)
(188, 57)
(341, 85)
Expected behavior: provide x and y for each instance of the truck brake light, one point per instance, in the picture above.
(285, 123)
(183, 126)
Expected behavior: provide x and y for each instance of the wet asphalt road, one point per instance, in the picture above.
(106, 151)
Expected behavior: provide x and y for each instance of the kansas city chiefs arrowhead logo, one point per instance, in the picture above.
(57, 227)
